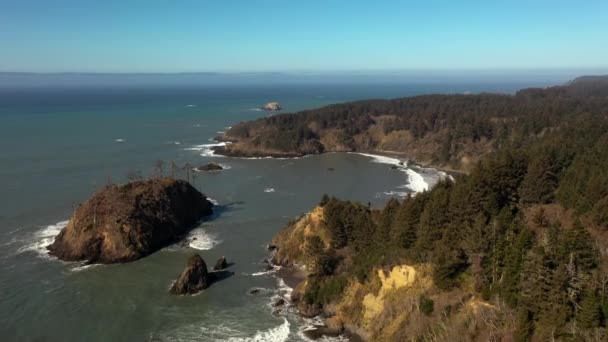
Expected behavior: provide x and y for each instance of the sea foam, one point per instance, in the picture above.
(416, 182)
(206, 149)
(43, 238)
(276, 334)
(200, 239)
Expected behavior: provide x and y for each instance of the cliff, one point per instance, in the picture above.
(123, 223)
(394, 302)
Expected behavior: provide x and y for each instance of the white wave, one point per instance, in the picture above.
(174, 143)
(215, 202)
(221, 132)
(191, 105)
(276, 334)
(284, 288)
(256, 109)
(382, 159)
(84, 267)
(396, 193)
(206, 149)
(274, 269)
(416, 182)
(200, 239)
(269, 190)
(43, 238)
(119, 140)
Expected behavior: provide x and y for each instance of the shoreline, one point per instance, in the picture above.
(292, 277)
(219, 150)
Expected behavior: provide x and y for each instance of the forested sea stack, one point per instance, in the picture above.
(123, 223)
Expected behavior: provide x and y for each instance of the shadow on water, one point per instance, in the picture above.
(220, 209)
(217, 276)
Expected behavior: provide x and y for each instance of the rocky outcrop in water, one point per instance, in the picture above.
(123, 223)
(220, 264)
(272, 106)
(210, 167)
(193, 279)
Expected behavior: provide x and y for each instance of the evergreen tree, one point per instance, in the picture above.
(540, 182)
(314, 249)
(589, 314)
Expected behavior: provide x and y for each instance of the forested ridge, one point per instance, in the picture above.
(443, 130)
(515, 250)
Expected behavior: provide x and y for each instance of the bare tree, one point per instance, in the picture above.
(188, 169)
(158, 167)
(134, 175)
(173, 168)
(194, 181)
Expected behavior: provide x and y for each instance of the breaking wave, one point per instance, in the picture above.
(43, 238)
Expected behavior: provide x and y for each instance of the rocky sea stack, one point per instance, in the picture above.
(272, 106)
(193, 279)
(123, 223)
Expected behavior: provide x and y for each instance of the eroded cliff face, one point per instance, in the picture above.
(292, 239)
(122, 223)
(395, 303)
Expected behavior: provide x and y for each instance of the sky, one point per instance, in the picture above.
(305, 36)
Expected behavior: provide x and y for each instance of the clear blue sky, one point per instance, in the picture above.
(294, 35)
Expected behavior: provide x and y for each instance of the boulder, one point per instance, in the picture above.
(193, 279)
(272, 106)
(278, 303)
(123, 223)
(209, 167)
(254, 291)
(220, 264)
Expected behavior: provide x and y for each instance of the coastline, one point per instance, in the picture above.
(292, 276)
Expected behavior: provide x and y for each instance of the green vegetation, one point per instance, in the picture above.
(426, 305)
(523, 228)
(452, 128)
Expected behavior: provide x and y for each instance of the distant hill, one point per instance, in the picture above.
(589, 86)
(449, 131)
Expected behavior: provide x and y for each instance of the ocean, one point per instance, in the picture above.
(61, 144)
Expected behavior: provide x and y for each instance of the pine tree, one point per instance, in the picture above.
(314, 248)
(525, 326)
(577, 241)
(540, 182)
(590, 312)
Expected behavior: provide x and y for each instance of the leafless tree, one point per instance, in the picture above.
(188, 169)
(134, 175)
(158, 167)
(173, 168)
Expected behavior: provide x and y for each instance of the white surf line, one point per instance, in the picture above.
(416, 182)
(43, 238)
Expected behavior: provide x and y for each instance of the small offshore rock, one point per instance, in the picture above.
(220, 264)
(210, 167)
(254, 291)
(272, 106)
(278, 303)
(193, 279)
